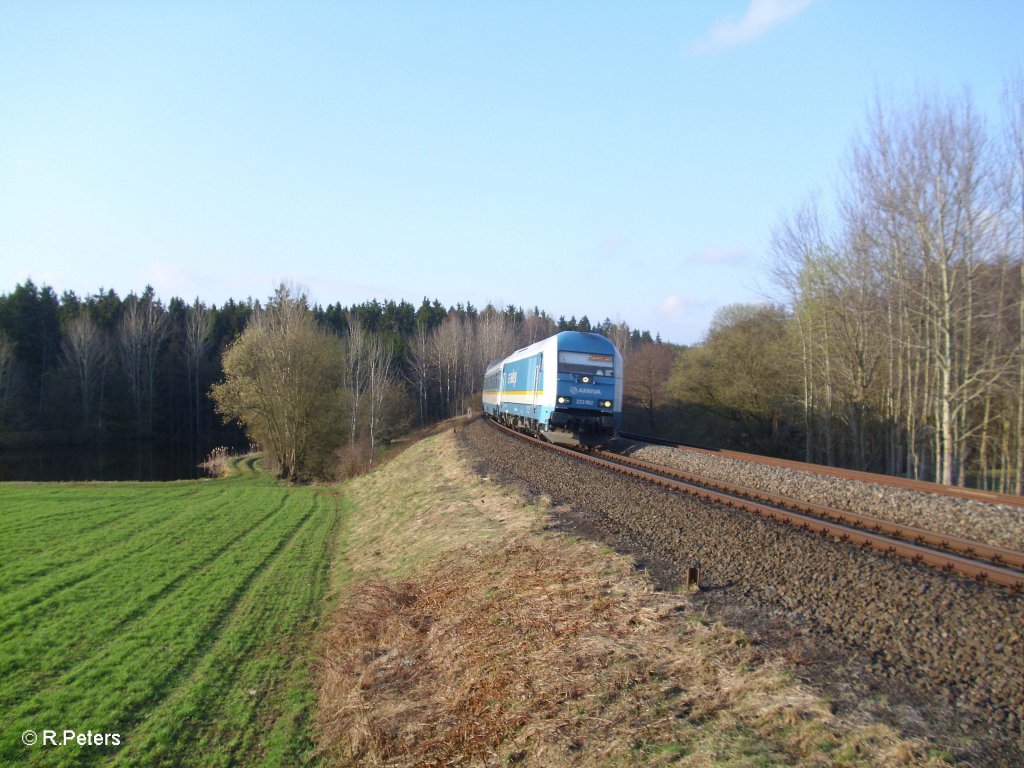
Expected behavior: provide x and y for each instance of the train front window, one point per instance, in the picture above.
(586, 363)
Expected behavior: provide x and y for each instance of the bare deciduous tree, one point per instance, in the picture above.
(85, 353)
(536, 326)
(6, 373)
(356, 379)
(141, 332)
(621, 336)
(494, 337)
(647, 372)
(908, 311)
(448, 346)
(380, 377)
(419, 363)
(1014, 108)
(198, 326)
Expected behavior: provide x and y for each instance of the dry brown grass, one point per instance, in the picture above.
(425, 502)
(217, 463)
(464, 636)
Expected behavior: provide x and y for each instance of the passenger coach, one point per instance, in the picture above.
(566, 389)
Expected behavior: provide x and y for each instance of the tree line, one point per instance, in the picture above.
(75, 370)
(321, 390)
(105, 368)
(898, 346)
(909, 299)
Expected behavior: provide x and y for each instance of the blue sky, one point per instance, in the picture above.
(615, 159)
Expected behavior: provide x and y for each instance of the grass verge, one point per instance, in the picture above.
(464, 634)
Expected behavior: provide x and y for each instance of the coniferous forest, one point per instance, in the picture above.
(128, 376)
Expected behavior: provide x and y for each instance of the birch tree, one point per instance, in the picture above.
(141, 332)
(942, 168)
(419, 364)
(198, 326)
(447, 346)
(380, 380)
(494, 337)
(907, 307)
(1013, 101)
(131, 339)
(799, 249)
(359, 347)
(84, 350)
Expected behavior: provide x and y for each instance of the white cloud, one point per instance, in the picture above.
(760, 17)
(672, 306)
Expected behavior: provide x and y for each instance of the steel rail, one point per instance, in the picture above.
(985, 572)
(972, 549)
(922, 486)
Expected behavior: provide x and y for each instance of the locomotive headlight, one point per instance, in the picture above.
(584, 379)
(606, 403)
(563, 400)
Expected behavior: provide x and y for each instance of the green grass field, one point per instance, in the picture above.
(178, 616)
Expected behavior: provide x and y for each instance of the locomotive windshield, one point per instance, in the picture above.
(586, 362)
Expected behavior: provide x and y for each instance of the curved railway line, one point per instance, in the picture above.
(927, 650)
(976, 560)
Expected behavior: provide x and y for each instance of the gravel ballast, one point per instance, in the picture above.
(996, 524)
(947, 652)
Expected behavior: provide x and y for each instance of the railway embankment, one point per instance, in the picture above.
(932, 653)
(467, 629)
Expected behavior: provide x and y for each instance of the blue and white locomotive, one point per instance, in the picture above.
(566, 389)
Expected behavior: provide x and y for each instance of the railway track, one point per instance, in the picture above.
(971, 494)
(860, 624)
(975, 560)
